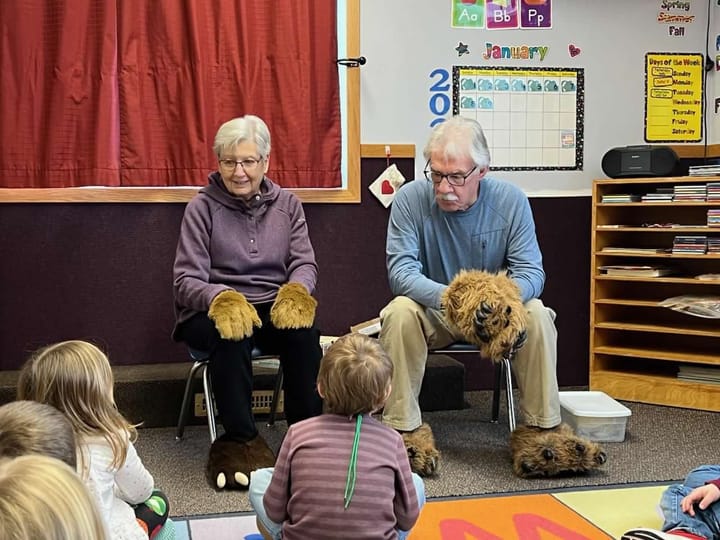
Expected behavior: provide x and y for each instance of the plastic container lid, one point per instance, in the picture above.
(593, 404)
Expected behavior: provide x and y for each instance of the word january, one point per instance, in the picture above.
(516, 53)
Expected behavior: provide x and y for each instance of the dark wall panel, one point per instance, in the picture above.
(102, 272)
(92, 271)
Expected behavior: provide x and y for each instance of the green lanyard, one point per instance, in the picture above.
(352, 466)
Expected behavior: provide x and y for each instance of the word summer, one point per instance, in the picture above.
(517, 52)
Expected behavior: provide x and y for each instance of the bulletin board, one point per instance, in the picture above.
(415, 47)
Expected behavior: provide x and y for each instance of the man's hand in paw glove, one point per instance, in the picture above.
(519, 344)
(233, 315)
(486, 330)
(293, 308)
(487, 310)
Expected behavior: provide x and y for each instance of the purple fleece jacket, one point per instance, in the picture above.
(253, 247)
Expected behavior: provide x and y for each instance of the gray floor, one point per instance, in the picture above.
(662, 444)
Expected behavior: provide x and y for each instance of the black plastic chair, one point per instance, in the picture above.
(200, 365)
(503, 372)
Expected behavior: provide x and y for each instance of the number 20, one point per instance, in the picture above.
(439, 102)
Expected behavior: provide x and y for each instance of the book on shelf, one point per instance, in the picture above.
(659, 195)
(713, 191)
(635, 270)
(620, 198)
(699, 373)
(704, 170)
(694, 244)
(611, 249)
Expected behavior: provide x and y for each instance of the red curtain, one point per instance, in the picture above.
(58, 97)
(131, 93)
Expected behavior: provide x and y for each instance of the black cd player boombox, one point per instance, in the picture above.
(638, 161)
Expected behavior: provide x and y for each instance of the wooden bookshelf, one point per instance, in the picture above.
(636, 345)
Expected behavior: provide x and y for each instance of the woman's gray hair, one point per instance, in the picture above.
(244, 128)
(459, 137)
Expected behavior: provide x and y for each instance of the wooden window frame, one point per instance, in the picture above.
(350, 193)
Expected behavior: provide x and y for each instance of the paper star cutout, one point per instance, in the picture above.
(462, 49)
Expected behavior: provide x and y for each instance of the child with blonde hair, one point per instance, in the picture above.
(42, 497)
(342, 474)
(75, 377)
(29, 427)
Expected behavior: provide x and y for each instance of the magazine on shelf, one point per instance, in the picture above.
(636, 270)
(706, 306)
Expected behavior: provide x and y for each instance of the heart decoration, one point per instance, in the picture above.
(386, 185)
(574, 51)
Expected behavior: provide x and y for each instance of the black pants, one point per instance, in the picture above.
(231, 369)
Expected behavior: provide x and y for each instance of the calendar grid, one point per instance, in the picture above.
(533, 118)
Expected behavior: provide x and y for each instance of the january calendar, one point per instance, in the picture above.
(532, 118)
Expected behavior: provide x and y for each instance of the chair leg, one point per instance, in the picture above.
(276, 396)
(509, 391)
(185, 407)
(496, 393)
(503, 370)
(209, 407)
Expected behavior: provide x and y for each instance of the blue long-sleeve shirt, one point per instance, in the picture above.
(426, 246)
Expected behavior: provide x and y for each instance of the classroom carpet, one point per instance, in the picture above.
(587, 514)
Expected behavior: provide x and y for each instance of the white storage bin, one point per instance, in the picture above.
(594, 415)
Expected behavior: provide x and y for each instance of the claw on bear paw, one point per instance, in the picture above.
(220, 481)
(241, 479)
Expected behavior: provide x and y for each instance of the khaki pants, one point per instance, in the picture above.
(409, 330)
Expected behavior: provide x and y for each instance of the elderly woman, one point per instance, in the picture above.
(243, 276)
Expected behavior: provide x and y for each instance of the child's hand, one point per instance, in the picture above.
(703, 495)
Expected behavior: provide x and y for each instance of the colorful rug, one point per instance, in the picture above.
(592, 514)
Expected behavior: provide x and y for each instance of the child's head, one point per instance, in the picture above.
(28, 427)
(75, 377)
(42, 497)
(354, 376)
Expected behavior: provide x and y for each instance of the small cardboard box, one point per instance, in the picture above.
(594, 415)
(369, 328)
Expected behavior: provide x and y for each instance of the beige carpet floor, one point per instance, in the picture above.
(662, 444)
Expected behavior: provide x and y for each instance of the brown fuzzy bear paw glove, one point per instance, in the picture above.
(230, 462)
(233, 315)
(293, 308)
(538, 452)
(488, 311)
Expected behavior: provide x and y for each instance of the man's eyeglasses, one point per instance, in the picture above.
(248, 164)
(454, 179)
